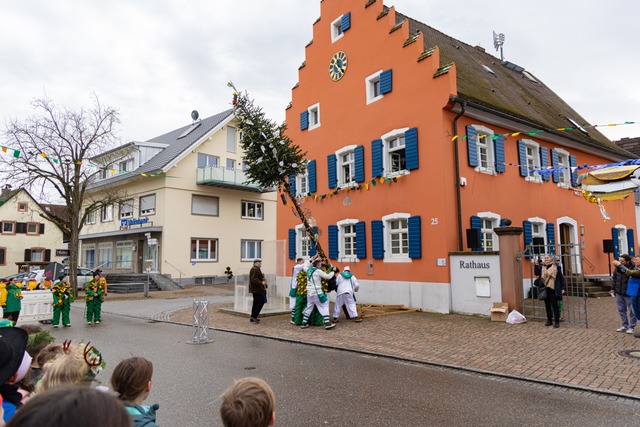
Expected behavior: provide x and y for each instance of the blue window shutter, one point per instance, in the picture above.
(544, 162)
(312, 249)
(331, 170)
(472, 146)
(292, 243)
(376, 158)
(498, 145)
(615, 236)
(528, 238)
(359, 160)
(631, 242)
(411, 148)
(522, 158)
(346, 22)
(292, 184)
(476, 222)
(377, 239)
(551, 237)
(311, 170)
(333, 241)
(415, 237)
(304, 120)
(573, 163)
(555, 162)
(386, 81)
(361, 240)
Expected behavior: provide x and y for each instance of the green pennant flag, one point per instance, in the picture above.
(16, 153)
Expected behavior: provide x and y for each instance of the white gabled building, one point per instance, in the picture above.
(188, 210)
(27, 238)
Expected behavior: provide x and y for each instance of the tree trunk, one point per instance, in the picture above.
(305, 222)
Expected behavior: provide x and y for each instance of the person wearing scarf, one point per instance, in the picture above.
(316, 296)
(549, 273)
(347, 285)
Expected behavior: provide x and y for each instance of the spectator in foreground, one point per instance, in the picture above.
(249, 402)
(14, 363)
(131, 379)
(623, 300)
(71, 406)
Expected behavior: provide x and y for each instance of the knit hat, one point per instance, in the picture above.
(346, 268)
(13, 342)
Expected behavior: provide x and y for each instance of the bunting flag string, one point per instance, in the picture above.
(17, 153)
(537, 131)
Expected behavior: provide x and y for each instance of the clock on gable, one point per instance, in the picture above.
(338, 66)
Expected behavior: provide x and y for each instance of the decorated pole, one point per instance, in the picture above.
(271, 156)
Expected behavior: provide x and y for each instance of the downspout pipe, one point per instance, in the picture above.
(456, 151)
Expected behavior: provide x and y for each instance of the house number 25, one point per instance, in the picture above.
(434, 221)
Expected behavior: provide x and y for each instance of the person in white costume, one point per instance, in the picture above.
(316, 296)
(347, 285)
(297, 268)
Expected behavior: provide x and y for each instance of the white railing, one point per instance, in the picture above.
(213, 174)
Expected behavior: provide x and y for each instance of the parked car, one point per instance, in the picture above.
(19, 276)
(83, 275)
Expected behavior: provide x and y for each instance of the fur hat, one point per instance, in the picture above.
(13, 343)
(346, 268)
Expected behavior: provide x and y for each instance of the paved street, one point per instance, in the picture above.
(322, 386)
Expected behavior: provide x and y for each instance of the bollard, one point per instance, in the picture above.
(200, 322)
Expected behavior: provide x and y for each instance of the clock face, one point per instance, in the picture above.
(338, 66)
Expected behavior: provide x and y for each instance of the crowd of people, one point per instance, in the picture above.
(95, 291)
(46, 384)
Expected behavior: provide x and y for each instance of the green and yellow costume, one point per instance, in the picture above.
(95, 291)
(62, 299)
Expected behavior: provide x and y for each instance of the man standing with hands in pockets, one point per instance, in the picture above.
(258, 287)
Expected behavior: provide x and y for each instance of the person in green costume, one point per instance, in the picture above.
(95, 292)
(62, 299)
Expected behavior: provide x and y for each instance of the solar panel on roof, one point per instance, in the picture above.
(189, 130)
(512, 66)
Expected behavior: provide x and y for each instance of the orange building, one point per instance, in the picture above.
(379, 100)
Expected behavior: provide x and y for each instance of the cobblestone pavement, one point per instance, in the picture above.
(584, 358)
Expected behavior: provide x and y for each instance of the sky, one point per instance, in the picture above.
(157, 60)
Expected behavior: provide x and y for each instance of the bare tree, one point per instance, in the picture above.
(53, 160)
(271, 155)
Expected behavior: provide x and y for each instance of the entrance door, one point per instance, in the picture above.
(566, 231)
(150, 257)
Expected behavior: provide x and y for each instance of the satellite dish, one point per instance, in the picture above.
(195, 115)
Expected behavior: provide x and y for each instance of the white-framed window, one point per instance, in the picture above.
(89, 255)
(539, 230)
(204, 205)
(106, 172)
(204, 249)
(396, 237)
(346, 166)
(394, 154)
(250, 250)
(336, 29)
(90, 218)
(125, 166)
(314, 116)
(231, 164)
(148, 205)
(106, 213)
(252, 210)
(244, 165)
(208, 160)
(623, 246)
(532, 152)
(37, 255)
(302, 183)
(33, 228)
(126, 209)
(105, 254)
(372, 87)
(347, 239)
(303, 242)
(564, 168)
(124, 254)
(8, 227)
(231, 139)
(489, 237)
(485, 150)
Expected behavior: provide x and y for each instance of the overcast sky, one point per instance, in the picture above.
(157, 60)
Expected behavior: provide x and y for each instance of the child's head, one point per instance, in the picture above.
(249, 402)
(65, 370)
(71, 406)
(48, 353)
(131, 379)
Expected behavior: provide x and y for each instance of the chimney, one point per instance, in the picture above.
(5, 190)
